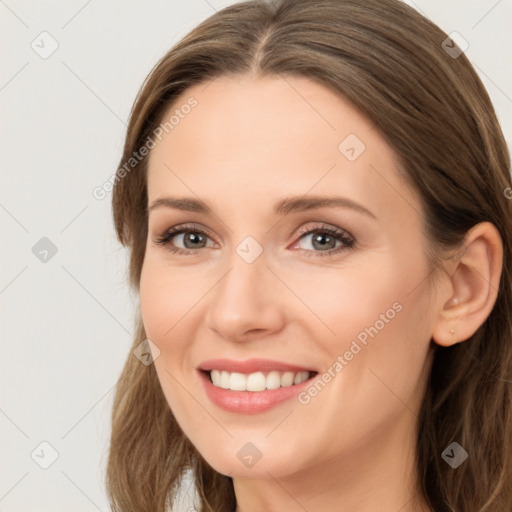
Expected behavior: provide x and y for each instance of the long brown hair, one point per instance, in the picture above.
(432, 109)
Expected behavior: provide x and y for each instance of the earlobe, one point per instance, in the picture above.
(474, 286)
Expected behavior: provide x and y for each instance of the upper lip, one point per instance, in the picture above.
(250, 366)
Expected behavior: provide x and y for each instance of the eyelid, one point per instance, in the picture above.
(180, 228)
(326, 227)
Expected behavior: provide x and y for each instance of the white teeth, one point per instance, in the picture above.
(224, 380)
(257, 381)
(296, 379)
(273, 380)
(237, 382)
(287, 379)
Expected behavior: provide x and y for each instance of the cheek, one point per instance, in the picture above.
(376, 316)
(349, 299)
(154, 305)
(165, 295)
(165, 298)
(387, 341)
(381, 335)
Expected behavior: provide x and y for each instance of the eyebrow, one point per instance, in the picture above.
(283, 207)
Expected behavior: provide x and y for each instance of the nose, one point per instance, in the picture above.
(247, 302)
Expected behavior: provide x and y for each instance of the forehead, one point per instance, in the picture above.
(260, 139)
(269, 115)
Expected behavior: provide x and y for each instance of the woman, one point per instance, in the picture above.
(315, 195)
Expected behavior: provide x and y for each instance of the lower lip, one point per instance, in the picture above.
(250, 402)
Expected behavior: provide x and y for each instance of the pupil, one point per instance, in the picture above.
(193, 237)
(318, 239)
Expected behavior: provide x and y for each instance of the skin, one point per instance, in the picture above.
(249, 143)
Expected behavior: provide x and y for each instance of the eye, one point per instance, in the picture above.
(190, 235)
(325, 240)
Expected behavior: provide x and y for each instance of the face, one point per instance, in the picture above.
(269, 283)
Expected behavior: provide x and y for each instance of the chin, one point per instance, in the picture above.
(246, 461)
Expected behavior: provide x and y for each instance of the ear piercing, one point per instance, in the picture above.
(452, 332)
(455, 301)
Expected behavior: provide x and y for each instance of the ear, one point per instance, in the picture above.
(474, 277)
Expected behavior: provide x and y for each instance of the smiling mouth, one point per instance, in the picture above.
(257, 381)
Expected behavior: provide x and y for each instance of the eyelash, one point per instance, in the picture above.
(341, 235)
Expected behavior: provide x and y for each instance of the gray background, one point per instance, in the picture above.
(67, 322)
